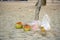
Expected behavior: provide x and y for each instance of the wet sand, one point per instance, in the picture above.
(10, 14)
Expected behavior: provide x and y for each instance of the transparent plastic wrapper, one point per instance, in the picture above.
(36, 24)
(46, 22)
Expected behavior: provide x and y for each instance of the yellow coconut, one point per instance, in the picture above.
(27, 27)
(19, 25)
(43, 31)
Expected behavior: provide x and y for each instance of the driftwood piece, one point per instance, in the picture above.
(38, 7)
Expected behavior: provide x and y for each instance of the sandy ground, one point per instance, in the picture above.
(9, 15)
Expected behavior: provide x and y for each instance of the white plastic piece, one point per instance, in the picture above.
(46, 22)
